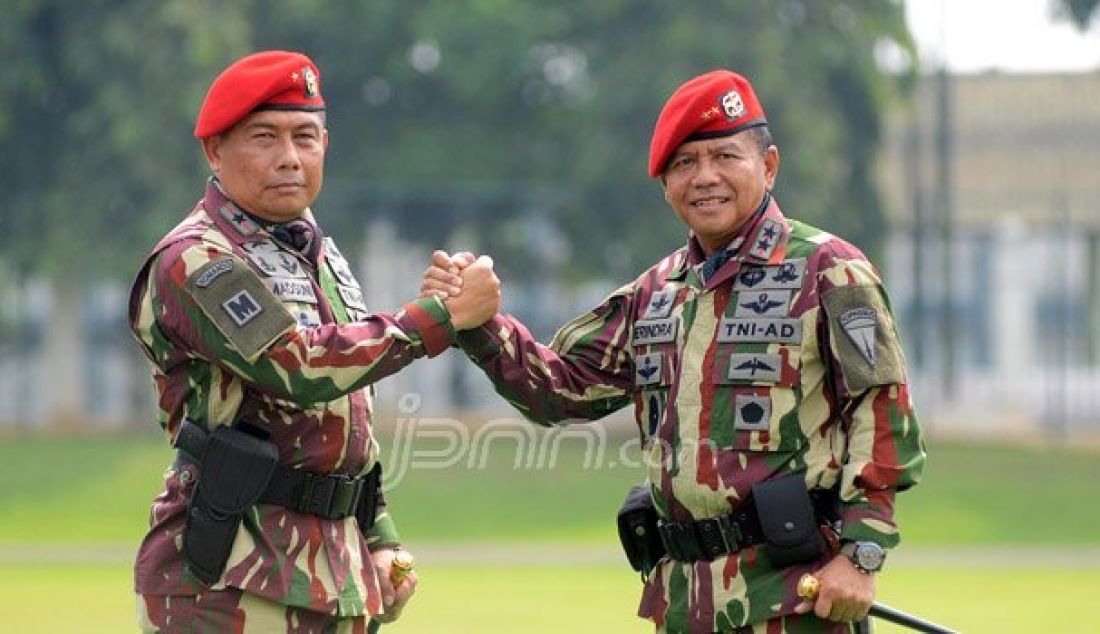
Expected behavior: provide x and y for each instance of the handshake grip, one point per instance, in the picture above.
(470, 288)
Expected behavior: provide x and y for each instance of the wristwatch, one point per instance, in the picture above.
(867, 557)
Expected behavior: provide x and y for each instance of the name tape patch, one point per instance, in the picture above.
(648, 331)
(762, 330)
(293, 290)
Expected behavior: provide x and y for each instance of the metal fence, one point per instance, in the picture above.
(1001, 328)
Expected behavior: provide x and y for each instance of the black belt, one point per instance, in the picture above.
(713, 537)
(332, 496)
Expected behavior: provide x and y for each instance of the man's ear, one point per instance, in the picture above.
(211, 148)
(771, 166)
(664, 186)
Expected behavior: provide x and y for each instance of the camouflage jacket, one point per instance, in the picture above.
(786, 358)
(239, 325)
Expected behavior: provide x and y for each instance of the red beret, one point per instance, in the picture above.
(718, 103)
(278, 80)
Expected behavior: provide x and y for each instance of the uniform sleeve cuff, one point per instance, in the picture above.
(480, 343)
(430, 319)
(862, 522)
(383, 534)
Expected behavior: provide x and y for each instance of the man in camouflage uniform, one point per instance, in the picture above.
(763, 347)
(254, 321)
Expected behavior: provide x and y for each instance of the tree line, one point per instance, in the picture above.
(508, 121)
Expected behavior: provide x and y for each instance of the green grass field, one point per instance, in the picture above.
(977, 535)
(553, 599)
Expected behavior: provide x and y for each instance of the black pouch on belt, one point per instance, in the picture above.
(369, 498)
(234, 470)
(787, 519)
(637, 522)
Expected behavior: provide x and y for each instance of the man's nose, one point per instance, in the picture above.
(289, 157)
(705, 173)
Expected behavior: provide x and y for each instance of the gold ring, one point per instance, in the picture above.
(808, 587)
(403, 563)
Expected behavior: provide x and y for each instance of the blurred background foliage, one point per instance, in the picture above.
(1080, 11)
(520, 128)
(516, 126)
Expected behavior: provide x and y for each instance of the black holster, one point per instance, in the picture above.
(235, 468)
(787, 520)
(370, 499)
(637, 520)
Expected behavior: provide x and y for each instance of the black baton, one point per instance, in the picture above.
(808, 587)
(887, 613)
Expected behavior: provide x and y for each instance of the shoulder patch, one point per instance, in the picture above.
(864, 340)
(211, 273)
(240, 306)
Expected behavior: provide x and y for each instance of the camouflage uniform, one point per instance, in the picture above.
(230, 610)
(298, 367)
(785, 358)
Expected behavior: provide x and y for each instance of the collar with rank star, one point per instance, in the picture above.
(240, 226)
(763, 241)
(235, 223)
(767, 239)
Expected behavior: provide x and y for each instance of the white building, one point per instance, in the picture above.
(1019, 350)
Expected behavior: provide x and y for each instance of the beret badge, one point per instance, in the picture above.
(310, 79)
(732, 104)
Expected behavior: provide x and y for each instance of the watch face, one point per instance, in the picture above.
(869, 556)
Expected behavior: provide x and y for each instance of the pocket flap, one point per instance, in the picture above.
(236, 468)
(785, 510)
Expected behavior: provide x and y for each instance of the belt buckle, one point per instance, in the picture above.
(679, 540)
(318, 495)
(304, 501)
(733, 529)
(719, 535)
(345, 500)
(712, 536)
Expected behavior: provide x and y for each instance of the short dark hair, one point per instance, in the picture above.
(763, 136)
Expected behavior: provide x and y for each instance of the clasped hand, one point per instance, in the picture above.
(394, 598)
(467, 285)
(846, 594)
